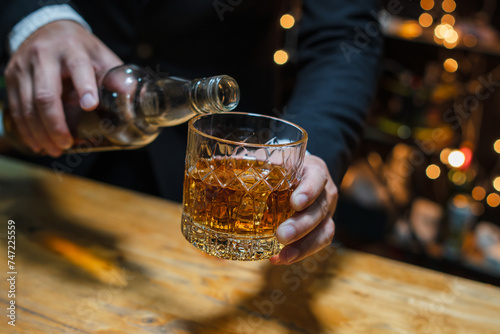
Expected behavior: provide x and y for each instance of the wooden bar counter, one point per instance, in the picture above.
(91, 258)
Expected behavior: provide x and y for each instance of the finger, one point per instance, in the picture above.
(47, 94)
(15, 110)
(314, 179)
(104, 60)
(43, 137)
(301, 223)
(32, 119)
(321, 237)
(83, 76)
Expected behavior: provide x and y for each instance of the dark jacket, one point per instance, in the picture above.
(327, 90)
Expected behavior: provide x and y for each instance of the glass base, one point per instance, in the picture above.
(229, 246)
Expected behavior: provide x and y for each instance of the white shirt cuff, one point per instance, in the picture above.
(31, 23)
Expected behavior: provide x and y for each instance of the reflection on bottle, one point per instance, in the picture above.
(134, 106)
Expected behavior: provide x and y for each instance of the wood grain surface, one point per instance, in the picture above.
(92, 258)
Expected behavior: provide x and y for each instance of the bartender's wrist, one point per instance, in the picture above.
(34, 21)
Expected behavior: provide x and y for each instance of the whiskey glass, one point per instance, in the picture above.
(240, 172)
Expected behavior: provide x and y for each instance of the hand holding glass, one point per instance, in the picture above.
(241, 170)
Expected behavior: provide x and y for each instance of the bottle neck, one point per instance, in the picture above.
(214, 94)
(175, 100)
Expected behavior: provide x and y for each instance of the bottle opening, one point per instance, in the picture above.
(215, 94)
(228, 93)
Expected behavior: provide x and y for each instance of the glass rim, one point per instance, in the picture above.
(299, 142)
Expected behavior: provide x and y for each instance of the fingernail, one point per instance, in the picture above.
(88, 101)
(299, 200)
(35, 148)
(292, 254)
(54, 152)
(285, 233)
(65, 143)
(275, 259)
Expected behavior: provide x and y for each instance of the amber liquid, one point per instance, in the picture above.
(236, 199)
(90, 132)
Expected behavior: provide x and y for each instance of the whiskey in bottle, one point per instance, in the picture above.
(134, 105)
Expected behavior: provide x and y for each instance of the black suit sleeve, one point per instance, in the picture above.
(339, 52)
(13, 11)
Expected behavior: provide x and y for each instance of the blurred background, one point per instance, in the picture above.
(424, 187)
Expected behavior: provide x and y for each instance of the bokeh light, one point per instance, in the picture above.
(443, 156)
(280, 57)
(287, 21)
(496, 146)
(451, 37)
(478, 193)
(468, 156)
(450, 45)
(450, 65)
(427, 4)
(496, 183)
(449, 6)
(460, 201)
(493, 200)
(410, 29)
(425, 20)
(441, 31)
(470, 40)
(404, 132)
(458, 178)
(448, 19)
(438, 41)
(477, 209)
(433, 172)
(456, 159)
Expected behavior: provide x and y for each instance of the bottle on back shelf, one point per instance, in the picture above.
(134, 106)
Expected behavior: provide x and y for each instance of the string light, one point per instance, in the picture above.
(478, 193)
(427, 4)
(441, 30)
(448, 19)
(445, 153)
(449, 6)
(404, 132)
(460, 201)
(410, 29)
(425, 20)
(445, 34)
(458, 178)
(477, 209)
(450, 65)
(496, 146)
(280, 57)
(438, 40)
(468, 156)
(450, 45)
(470, 40)
(496, 183)
(451, 37)
(433, 172)
(287, 21)
(493, 200)
(456, 159)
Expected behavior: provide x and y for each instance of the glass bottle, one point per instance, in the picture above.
(134, 106)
